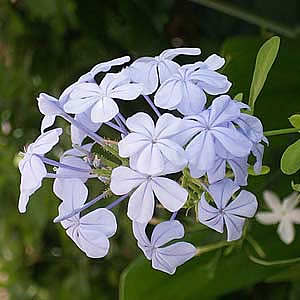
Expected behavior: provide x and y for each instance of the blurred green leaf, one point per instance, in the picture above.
(295, 186)
(239, 97)
(290, 161)
(195, 279)
(295, 120)
(264, 171)
(264, 61)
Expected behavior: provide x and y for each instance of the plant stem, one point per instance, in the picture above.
(81, 208)
(211, 247)
(147, 98)
(281, 131)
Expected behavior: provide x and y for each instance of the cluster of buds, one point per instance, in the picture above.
(204, 144)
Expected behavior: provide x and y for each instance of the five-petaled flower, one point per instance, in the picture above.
(90, 232)
(166, 258)
(232, 213)
(32, 167)
(141, 203)
(285, 213)
(153, 149)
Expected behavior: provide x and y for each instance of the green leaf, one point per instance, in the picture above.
(264, 61)
(290, 161)
(207, 276)
(264, 171)
(295, 120)
(239, 97)
(295, 186)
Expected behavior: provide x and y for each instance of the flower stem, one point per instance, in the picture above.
(173, 217)
(81, 208)
(61, 165)
(211, 247)
(116, 127)
(54, 176)
(115, 203)
(281, 131)
(147, 98)
(98, 139)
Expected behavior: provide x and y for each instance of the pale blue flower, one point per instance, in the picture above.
(141, 202)
(90, 232)
(214, 126)
(164, 258)
(32, 167)
(185, 89)
(151, 70)
(100, 98)
(233, 213)
(152, 149)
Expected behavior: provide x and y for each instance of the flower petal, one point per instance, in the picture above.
(169, 94)
(245, 205)
(166, 68)
(234, 225)
(232, 140)
(101, 220)
(286, 231)
(272, 201)
(172, 53)
(104, 110)
(268, 218)
(132, 143)
(165, 232)
(45, 142)
(201, 151)
(129, 91)
(150, 160)
(124, 179)
(215, 62)
(141, 204)
(141, 123)
(222, 110)
(167, 259)
(169, 193)
(222, 192)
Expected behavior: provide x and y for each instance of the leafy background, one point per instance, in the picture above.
(44, 46)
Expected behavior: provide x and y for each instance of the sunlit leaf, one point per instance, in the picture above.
(290, 161)
(264, 61)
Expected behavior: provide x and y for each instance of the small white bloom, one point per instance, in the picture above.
(285, 213)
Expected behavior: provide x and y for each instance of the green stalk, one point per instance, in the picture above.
(281, 131)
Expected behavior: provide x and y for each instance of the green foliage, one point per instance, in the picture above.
(264, 61)
(45, 46)
(201, 276)
(290, 161)
(295, 120)
(264, 171)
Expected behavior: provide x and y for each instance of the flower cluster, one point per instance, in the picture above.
(198, 139)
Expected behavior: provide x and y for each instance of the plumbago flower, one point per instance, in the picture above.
(90, 232)
(152, 149)
(185, 89)
(160, 163)
(285, 213)
(213, 130)
(51, 107)
(32, 166)
(167, 258)
(100, 97)
(141, 203)
(151, 70)
(233, 213)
